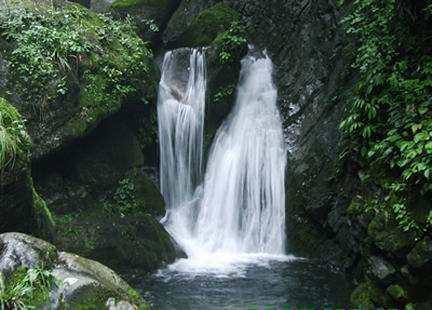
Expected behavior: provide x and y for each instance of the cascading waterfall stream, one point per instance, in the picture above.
(181, 106)
(238, 211)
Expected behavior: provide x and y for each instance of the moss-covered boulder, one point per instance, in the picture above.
(368, 296)
(190, 26)
(150, 16)
(388, 236)
(66, 69)
(205, 27)
(21, 208)
(36, 274)
(125, 242)
(104, 200)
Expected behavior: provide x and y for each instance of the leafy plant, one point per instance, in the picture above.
(123, 201)
(388, 125)
(26, 289)
(56, 50)
(231, 41)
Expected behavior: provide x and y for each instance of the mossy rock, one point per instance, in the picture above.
(388, 236)
(150, 16)
(421, 255)
(107, 67)
(123, 242)
(368, 296)
(21, 209)
(207, 25)
(127, 4)
(77, 282)
(397, 292)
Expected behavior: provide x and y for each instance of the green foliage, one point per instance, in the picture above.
(26, 289)
(231, 41)
(56, 51)
(14, 139)
(388, 125)
(126, 4)
(124, 199)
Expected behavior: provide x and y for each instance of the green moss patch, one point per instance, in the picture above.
(14, 141)
(126, 4)
(208, 24)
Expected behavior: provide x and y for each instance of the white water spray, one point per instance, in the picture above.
(237, 215)
(181, 105)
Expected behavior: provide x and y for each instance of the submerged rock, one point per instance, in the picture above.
(81, 283)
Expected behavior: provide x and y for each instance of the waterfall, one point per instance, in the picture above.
(181, 104)
(239, 208)
(243, 204)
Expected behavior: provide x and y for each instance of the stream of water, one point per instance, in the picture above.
(230, 217)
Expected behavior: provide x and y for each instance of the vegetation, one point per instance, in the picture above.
(26, 289)
(205, 27)
(54, 51)
(231, 42)
(123, 201)
(14, 140)
(124, 4)
(388, 126)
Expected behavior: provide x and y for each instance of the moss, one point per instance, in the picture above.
(387, 235)
(114, 239)
(126, 4)
(397, 292)
(148, 196)
(99, 65)
(14, 141)
(355, 207)
(367, 296)
(44, 218)
(208, 24)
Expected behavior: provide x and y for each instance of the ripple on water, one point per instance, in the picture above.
(246, 282)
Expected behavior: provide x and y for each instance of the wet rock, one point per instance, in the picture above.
(18, 249)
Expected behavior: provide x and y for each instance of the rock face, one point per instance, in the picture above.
(83, 282)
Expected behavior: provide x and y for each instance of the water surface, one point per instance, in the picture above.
(268, 285)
